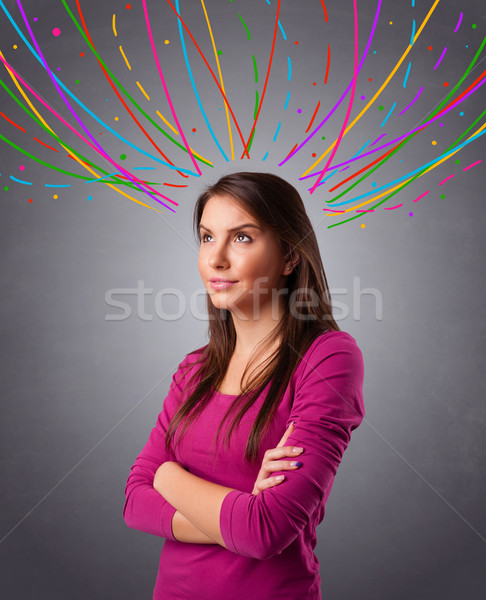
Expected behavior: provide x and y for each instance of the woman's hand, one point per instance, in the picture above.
(272, 463)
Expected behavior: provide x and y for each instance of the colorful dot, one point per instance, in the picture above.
(446, 83)
(434, 143)
(314, 83)
(36, 19)
(374, 184)
(323, 137)
(58, 68)
(363, 225)
(296, 43)
(220, 52)
(363, 97)
(474, 26)
(441, 124)
(374, 51)
(391, 22)
(15, 46)
(461, 114)
(77, 81)
(90, 197)
(22, 167)
(194, 130)
(380, 107)
(166, 41)
(56, 31)
(410, 214)
(81, 54)
(116, 118)
(30, 200)
(123, 156)
(314, 155)
(370, 79)
(129, 6)
(442, 196)
(299, 110)
(55, 196)
(6, 188)
(429, 48)
(457, 161)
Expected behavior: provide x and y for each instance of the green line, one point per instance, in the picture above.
(251, 140)
(467, 131)
(256, 105)
(244, 25)
(148, 117)
(255, 68)
(58, 139)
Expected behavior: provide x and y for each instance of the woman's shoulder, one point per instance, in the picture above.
(188, 365)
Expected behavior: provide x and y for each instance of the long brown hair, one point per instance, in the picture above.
(277, 206)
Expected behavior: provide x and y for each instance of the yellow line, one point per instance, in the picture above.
(429, 14)
(143, 91)
(126, 59)
(221, 81)
(402, 183)
(69, 153)
(114, 26)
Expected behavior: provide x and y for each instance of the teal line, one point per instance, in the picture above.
(20, 180)
(278, 129)
(290, 69)
(388, 115)
(287, 101)
(281, 29)
(407, 74)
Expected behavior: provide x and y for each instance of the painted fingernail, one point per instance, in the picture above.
(296, 450)
(296, 463)
(280, 477)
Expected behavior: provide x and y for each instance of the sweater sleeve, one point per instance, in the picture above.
(328, 406)
(145, 509)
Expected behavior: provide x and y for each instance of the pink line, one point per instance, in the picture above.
(458, 23)
(351, 99)
(363, 211)
(424, 194)
(97, 147)
(413, 101)
(149, 30)
(393, 207)
(473, 165)
(84, 139)
(331, 210)
(446, 179)
(441, 57)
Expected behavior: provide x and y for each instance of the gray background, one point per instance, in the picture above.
(80, 393)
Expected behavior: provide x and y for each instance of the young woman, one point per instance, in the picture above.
(279, 380)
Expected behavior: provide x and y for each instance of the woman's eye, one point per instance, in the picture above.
(205, 235)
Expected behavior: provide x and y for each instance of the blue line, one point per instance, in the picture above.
(447, 153)
(388, 115)
(53, 185)
(278, 129)
(268, 2)
(407, 74)
(20, 180)
(265, 157)
(144, 168)
(290, 68)
(101, 178)
(361, 149)
(281, 29)
(193, 83)
(85, 108)
(413, 33)
(413, 3)
(287, 101)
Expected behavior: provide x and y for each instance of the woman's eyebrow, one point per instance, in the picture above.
(233, 228)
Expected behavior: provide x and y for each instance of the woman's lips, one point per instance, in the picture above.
(219, 285)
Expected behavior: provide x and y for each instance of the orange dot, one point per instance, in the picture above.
(363, 225)
(81, 54)
(446, 83)
(429, 48)
(314, 155)
(434, 143)
(55, 196)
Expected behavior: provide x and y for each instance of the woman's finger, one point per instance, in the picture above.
(285, 436)
(270, 482)
(282, 465)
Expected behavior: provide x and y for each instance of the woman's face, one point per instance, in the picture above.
(251, 256)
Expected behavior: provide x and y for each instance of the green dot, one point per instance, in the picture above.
(6, 188)
(77, 81)
(220, 52)
(442, 196)
(457, 161)
(123, 156)
(380, 108)
(474, 26)
(323, 137)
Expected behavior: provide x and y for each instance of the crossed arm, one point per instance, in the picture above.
(193, 522)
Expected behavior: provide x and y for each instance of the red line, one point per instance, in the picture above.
(14, 124)
(212, 73)
(328, 62)
(265, 85)
(174, 185)
(120, 98)
(313, 117)
(292, 150)
(46, 145)
(325, 10)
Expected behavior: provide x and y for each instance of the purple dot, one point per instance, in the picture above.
(36, 19)
(363, 97)
(299, 110)
(441, 124)
(58, 68)
(56, 31)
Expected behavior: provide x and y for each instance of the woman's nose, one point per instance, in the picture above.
(218, 257)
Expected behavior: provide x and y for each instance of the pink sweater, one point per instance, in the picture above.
(270, 537)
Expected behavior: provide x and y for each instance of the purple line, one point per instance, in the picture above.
(100, 149)
(402, 137)
(458, 23)
(413, 101)
(441, 57)
(345, 92)
(378, 139)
